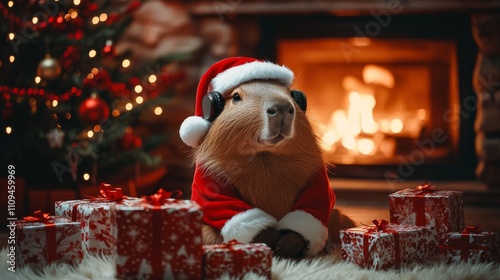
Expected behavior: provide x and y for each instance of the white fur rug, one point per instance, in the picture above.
(326, 267)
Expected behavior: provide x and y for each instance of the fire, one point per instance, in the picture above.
(356, 129)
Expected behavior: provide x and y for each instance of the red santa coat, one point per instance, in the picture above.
(223, 208)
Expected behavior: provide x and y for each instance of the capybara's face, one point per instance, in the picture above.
(258, 116)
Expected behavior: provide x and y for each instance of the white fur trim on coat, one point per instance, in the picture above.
(246, 225)
(257, 70)
(309, 227)
(193, 129)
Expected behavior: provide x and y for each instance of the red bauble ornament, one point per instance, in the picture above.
(93, 110)
(109, 49)
(130, 140)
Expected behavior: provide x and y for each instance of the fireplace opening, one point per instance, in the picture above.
(395, 105)
(376, 101)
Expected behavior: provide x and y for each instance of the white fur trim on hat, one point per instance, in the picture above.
(309, 227)
(193, 129)
(246, 225)
(257, 70)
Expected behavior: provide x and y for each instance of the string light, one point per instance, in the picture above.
(38, 79)
(92, 53)
(138, 88)
(76, 2)
(94, 71)
(90, 134)
(158, 111)
(10, 4)
(152, 79)
(129, 106)
(90, 76)
(103, 17)
(8, 130)
(12, 58)
(86, 176)
(54, 103)
(115, 113)
(97, 128)
(74, 14)
(68, 115)
(125, 63)
(95, 20)
(11, 36)
(139, 99)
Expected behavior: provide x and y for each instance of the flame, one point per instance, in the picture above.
(378, 75)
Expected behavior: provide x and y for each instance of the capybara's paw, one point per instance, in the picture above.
(291, 245)
(269, 236)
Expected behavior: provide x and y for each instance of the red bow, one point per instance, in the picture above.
(110, 193)
(472, 229)
(380, 224)
(426, 187)
(38, 216)
(161, 196)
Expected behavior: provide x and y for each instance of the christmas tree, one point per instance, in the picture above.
(70, 104)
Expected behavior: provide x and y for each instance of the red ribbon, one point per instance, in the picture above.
(380, 225)
(108, 193)
(162, 196)
(465, 246)
(50, 231)
(419, 203)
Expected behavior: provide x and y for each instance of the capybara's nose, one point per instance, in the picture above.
(280, 118)
(280, 110)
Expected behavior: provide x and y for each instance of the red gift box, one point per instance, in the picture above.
(94, 217)
(471, 245)
(42, 239)
(158, 239)
(235, 260)
(385, 245)
(425, 206)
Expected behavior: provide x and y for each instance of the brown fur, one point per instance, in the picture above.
(269, 177)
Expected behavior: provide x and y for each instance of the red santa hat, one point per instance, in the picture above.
(224, 76)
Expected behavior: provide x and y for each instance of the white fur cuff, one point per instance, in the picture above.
(309, 227)
(193, 129)
(244, 226)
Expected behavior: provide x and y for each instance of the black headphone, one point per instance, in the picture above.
(213, 103)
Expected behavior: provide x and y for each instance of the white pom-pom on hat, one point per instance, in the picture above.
(222, 77)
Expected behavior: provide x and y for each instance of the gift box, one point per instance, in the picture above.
(384, 245)
(42, 239)
(94, 217)
(471, 245)
(159, 238)
(235, 260)
(425, 206)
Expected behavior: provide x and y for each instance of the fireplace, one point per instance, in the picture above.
(394, 102)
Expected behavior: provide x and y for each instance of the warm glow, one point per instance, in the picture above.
(97, 128)
(129, 106)
(86, 176)
(328, 139)
(365, 146)
(90, 134)
(12, 58)
(368, 124)
(8, 130)
(138, 88)
(152, 79)
(139, 100)
(95, 20)
(68, 115)
(349, 142)
(76, 2)
(125, 63)
(90, 76)
(421, 114)
(10, 4)
(103, 17)
(37, 80)
(158, 111)
(115, 113)
(54, 103)
(74, 14)
(11, 36)
(373, 74)
(94, 71)
(396, 126)
(92, 53)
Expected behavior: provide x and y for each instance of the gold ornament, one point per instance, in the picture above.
(49, 68)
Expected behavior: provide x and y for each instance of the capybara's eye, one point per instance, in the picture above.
(236, 97)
